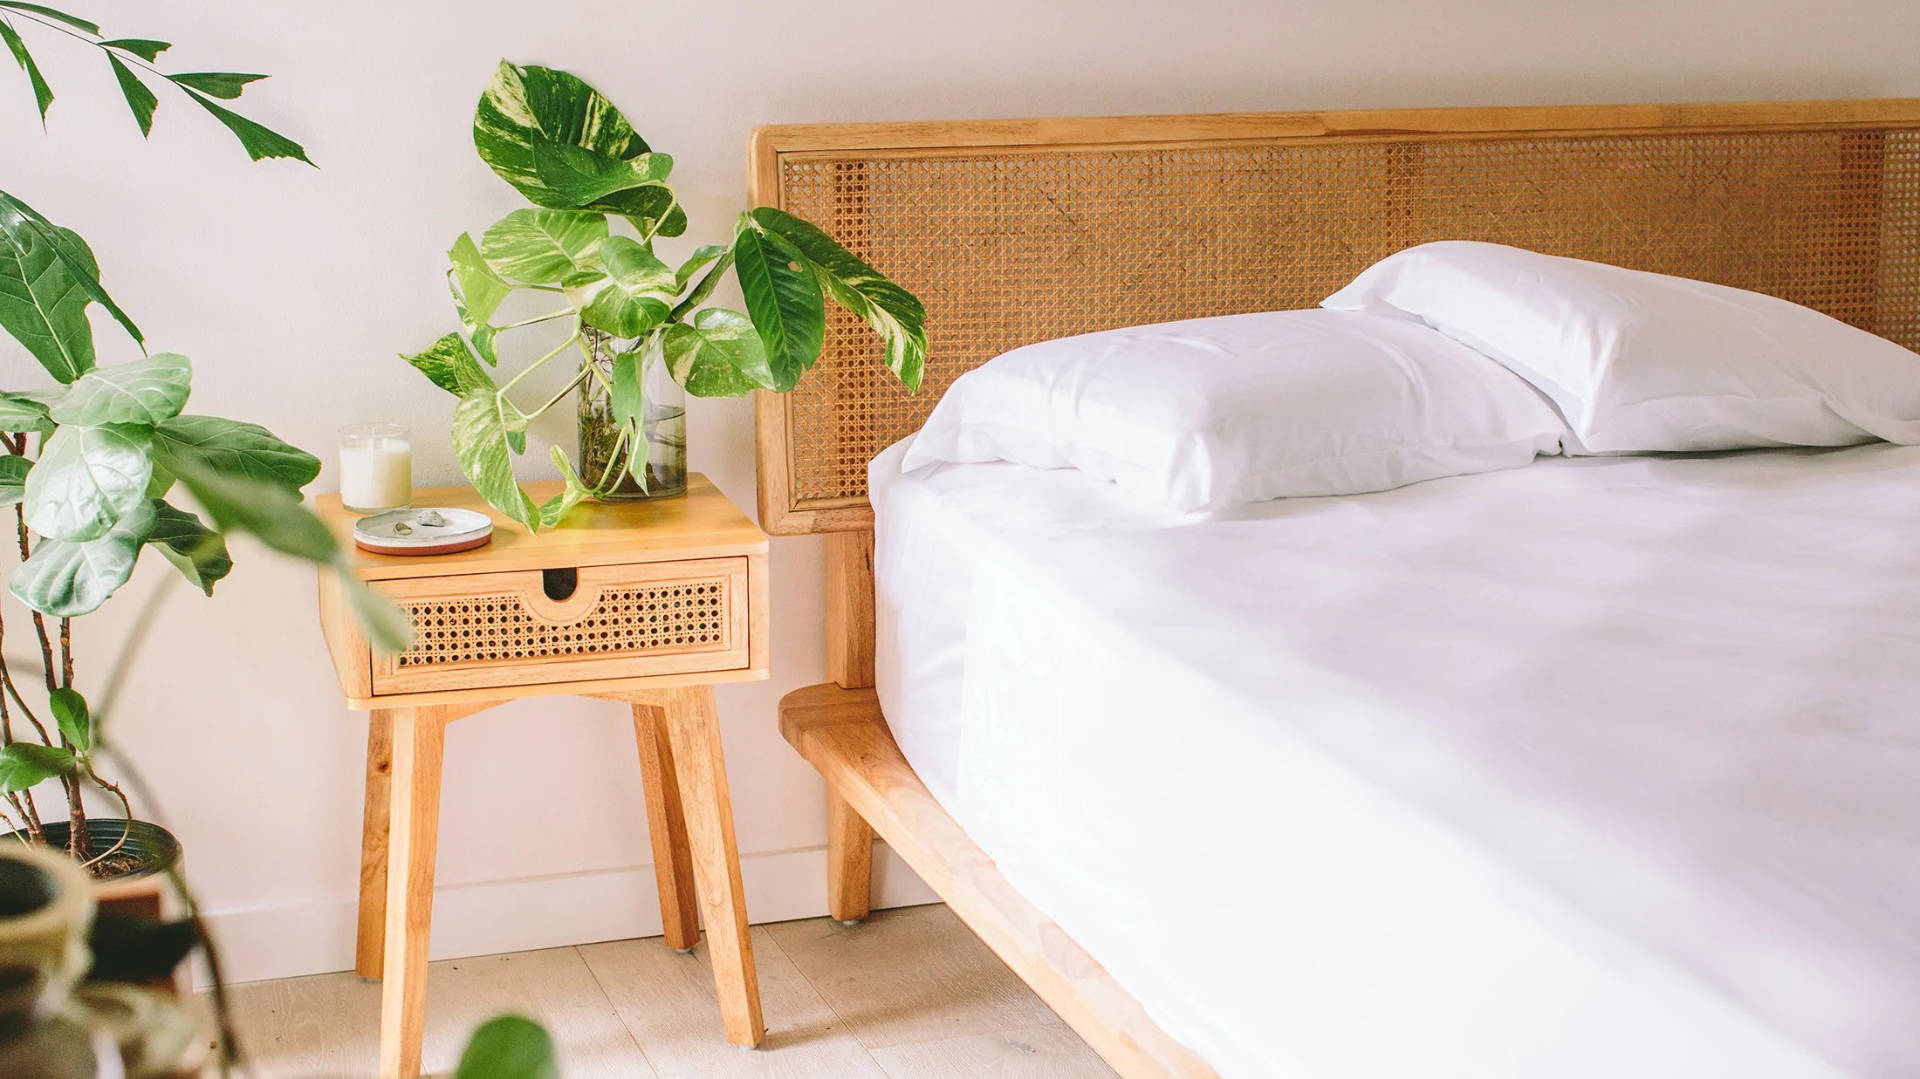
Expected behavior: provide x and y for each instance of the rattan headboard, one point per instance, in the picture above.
(1016, 231)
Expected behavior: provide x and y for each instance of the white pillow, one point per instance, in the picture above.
(1219, 411)
(1641, 362)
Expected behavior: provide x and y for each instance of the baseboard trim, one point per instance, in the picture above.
(490, 917)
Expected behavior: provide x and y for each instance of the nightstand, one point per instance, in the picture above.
(651, 603)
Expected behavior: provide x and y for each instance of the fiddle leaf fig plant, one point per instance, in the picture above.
(601, 198)
(94, 457)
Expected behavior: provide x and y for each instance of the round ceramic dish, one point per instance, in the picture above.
(423, 531)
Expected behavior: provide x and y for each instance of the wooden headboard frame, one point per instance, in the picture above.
(1017, 230)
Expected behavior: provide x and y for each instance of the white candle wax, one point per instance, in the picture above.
(376, 474)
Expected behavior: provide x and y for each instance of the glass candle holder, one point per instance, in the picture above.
(376, 467)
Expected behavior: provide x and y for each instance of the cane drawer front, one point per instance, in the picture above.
(526, 627)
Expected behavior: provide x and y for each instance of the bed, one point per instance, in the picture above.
(1635, 804)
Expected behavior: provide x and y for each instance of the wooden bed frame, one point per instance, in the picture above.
(1019, 230)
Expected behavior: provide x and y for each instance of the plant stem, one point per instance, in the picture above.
(535, 366)
(564, 390)
(536, 321)
(66, 653)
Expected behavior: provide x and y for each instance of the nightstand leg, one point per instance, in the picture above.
(849, 861)
(418, 737)
(667, 827)
(371, 942)
(694, 732)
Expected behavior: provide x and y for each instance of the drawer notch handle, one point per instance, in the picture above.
(559, 584)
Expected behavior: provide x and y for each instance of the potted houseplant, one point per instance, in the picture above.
(91, 459)
(638, 333)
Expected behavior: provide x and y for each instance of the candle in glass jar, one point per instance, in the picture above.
(376, 467)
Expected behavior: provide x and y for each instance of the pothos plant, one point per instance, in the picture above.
(602, 196)
(94, 454)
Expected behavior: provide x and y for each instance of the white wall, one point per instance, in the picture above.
(292, 289)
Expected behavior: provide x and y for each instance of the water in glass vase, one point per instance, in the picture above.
(606, 452)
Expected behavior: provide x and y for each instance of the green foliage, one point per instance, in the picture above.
(24, 765)
(43, 305)
(566, 148)
(509, 1047)
(71, 714)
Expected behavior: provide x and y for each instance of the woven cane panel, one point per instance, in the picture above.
(1012, 246)
(680, 616)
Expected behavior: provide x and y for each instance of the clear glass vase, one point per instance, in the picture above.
(606, 454)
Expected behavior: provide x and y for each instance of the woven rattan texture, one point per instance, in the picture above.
(1008, 247)
(681, 616)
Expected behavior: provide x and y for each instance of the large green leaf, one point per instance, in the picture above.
(264, 509)
(25, 412)
(509, 1047)
(198, 552)
(144, 392)
(24, 765)
(783, 299)
(13, 479)
(718, 354)
(480, 441)
(66, 579)
(477, 290)
(42, 93)
(42, 304)
(139, 99)
(634, 295)
(450, 366)
(578, 177)
(526, 113)
(21, 223)
(259, 141)
(88, 478)
(544, 247)
(71, 714)
(895, 314)
(232, 447)
(655, 211)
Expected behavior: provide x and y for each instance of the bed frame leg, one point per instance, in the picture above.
(849, 862)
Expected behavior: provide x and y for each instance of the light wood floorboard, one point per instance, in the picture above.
(909, 994)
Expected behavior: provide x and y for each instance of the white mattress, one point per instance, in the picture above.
(1603, 767)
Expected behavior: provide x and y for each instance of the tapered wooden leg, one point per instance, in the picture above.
(667, 826)
(694, 732)
(414, 814)
(849, 861)
(372, 937)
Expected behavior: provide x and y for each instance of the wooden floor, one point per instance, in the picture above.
(909, 994)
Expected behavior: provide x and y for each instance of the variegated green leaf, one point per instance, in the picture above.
(67, 579)
(635, 294)
(87, 479)
(718, 354)
(449, 365)
(895, 314)
(555, 509)
(480, 441)
(43, 305)
(527, 113)
(702, 257)
(543, 247)
(477, 290)
(783, 299)
(145, 392)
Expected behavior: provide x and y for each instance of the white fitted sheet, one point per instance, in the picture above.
(1597, 768)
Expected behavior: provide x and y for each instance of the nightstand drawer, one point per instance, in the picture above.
(532, 627)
